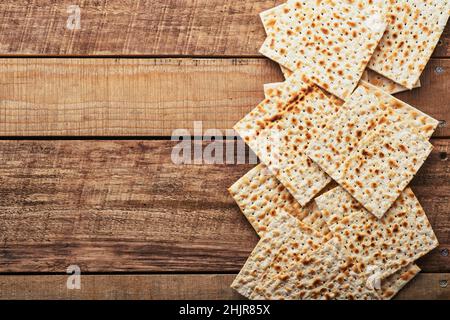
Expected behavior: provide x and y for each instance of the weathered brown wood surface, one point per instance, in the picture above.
(111, 206)
(149, 27)
(153, 97)
(164, 287)
(114, 206)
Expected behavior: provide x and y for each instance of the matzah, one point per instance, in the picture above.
(279, 129)
(263, 200)
(279, 206)
(261, 196)
(323, 273)
(394, 283)
(414, 29)
(402, 236)
(420, 122)
(384, 83)
(284, 228)
(270, 89)
(331, 42)
(269, 19)
(369, 151)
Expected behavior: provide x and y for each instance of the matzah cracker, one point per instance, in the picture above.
(402, 236)
(322, 273)
(270, 89)
(394, 283)
(269, 18)
(286, 72)
(279, 129)
(284, 228)
(413, 32)
(417, 120)
(261, 196)
(331, 42)
(276, 202)
(386, 84)
(369, 151)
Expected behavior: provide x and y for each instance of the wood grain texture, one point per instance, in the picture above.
(171, 287)
(153, 97)
(145, 27)
(127, 97)
(111, 206)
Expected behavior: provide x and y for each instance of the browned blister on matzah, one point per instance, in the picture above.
(269, 19)
(270, 89)
(414, 29)
(331, 42)
(371, 149)
(389, 244)
(279, 129)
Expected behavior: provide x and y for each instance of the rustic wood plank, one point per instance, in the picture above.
(149, 27)
(117, 27)
(172, 287)
(153, 97)
(427, 286)
(101, 97)
(116, 205)
(112, 206)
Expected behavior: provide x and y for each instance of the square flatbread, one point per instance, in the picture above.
(290, 245)
(371, 149)
(394, 283)
(279, 129)
(282, 229)
(330, 41)
(323, 273)
(269, 19)
(261, 196)
(402, 236)
(385, 84)
(414, 29)
(264, 200)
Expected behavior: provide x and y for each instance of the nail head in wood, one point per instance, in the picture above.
(439, 70)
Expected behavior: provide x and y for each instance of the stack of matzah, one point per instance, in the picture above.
(330, 199)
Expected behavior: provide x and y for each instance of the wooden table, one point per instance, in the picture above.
(86, 176)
